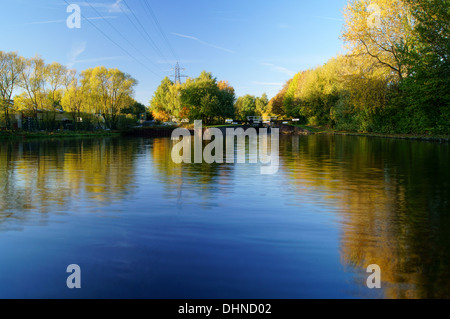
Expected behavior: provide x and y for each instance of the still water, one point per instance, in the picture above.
(140, 226)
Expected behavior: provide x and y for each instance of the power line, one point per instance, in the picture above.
(160, 29)
(145, 31)
(115, 29)
(153, 45)
(118, 45)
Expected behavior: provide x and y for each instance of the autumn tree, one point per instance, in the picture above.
(292, 102)
(73, 97)
(90, 93)
(55, 78)
(11, 68)
(109, 88)
(276, 104)
(378, 29)
(393, 79)
(33, 83)
(161, 102)
(227, 97)
(262, 105)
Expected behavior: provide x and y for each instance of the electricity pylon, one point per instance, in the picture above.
(177, 76)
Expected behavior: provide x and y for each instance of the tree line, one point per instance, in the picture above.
(204, 98)
(96, 95)
(393, 79)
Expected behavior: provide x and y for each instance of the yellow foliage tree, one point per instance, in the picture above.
(378, 29)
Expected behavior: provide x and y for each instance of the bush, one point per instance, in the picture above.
(127, 121)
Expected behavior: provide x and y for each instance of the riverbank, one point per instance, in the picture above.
(321, 130)
(166, 131)
(157, 131)
(64, 134)
(154, 131)
(431, 138)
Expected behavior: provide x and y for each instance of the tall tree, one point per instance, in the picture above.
(227, 98)
(11, 68)
(378, 28)
(262, 105)
(276, 104)
(33, 82)
(73, 98)
(245, 106)
(206, 99)
(431, 29)
(160, 102)
(109, 87)
(55, 76)
(426, 92)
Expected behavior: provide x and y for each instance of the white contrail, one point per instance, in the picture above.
(63, 21)
(202, 42)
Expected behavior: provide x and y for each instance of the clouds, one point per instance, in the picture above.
(280, 69)
(63, 21)
(202, 42)
(77, 50)
(115, 7)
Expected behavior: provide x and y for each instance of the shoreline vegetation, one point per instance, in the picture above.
(44, 134)
(393, 81)
(164, 131)
(420, 137)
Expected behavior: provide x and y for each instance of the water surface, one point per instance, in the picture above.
(141, 226)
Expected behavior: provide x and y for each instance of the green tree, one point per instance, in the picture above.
(425, 94)
(227, 98)
(262, 105)
(134, 108)
(206, 99)
(245, 106)
(161, 103)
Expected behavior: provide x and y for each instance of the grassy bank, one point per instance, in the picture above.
(64, 134)
(166, 131)
(322, 130)
(434, 138)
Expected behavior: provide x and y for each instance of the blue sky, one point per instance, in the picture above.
(256, 45)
